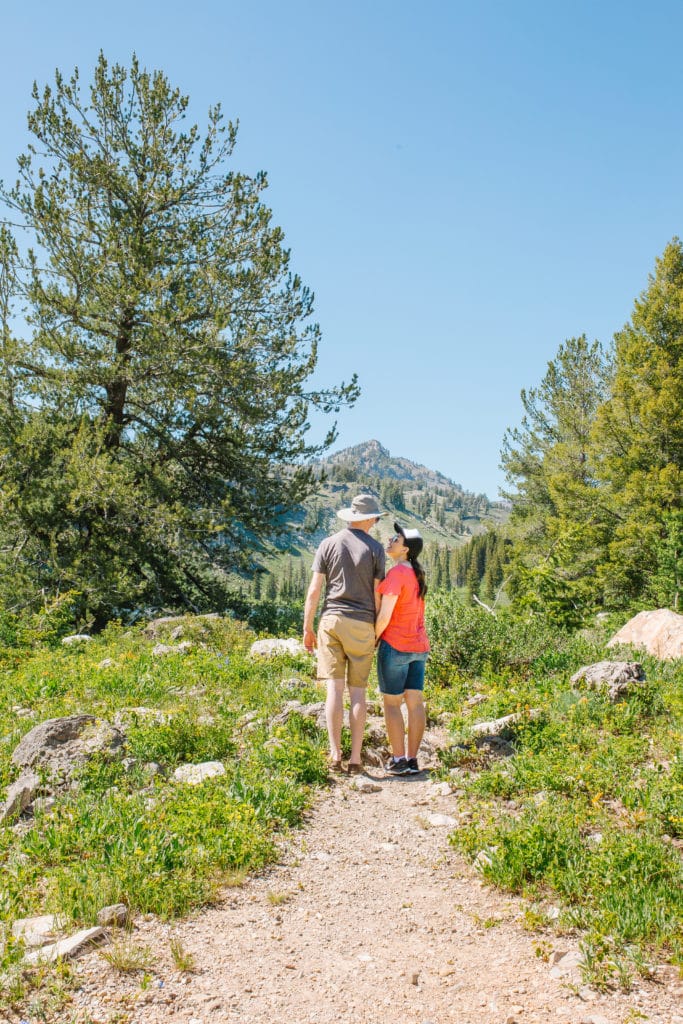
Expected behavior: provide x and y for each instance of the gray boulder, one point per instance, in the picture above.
(68, 949)
(19, 795)
(126, 717)
(195, 774)
(162, 650)
(315, 711)
(115, 916)
(272, 648)
(157, 626)
(61, 744)
(37, 931)
(503, 726)
(614, 677)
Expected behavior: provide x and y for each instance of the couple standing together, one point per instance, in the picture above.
(364, 607)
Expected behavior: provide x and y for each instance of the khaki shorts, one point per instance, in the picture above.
(346, 648)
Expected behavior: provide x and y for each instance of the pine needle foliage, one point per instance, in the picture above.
(153, 415)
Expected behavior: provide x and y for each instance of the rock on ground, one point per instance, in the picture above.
(193, 774)
(162, 650)
(19, 795)
(115, 916)
(498, 726)
(157, 626)
(659, 632)
(271, 648)
(36, 931)
(68, 949)
(616, 677)
(59, 744)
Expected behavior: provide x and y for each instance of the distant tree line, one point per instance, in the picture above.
(478, 567)
(411, 496)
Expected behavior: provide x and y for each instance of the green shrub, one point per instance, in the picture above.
(471, 640)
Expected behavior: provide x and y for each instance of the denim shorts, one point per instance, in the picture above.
(400, 670)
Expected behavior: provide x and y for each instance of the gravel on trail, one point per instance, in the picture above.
(370, 917)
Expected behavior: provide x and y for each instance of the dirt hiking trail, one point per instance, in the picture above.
(370, 917)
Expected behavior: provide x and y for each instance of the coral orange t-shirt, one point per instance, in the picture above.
(406, 629)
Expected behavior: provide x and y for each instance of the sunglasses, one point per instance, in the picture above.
(392, 540)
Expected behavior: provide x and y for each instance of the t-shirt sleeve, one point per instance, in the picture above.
(380, 564)
(319, 561)
(392, 584)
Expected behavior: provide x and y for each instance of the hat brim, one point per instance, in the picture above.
(349, 516)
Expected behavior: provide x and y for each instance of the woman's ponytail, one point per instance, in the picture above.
(420, 574)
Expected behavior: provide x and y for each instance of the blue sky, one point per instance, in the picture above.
(463, 185)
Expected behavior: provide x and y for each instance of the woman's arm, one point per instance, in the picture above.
(386, 610)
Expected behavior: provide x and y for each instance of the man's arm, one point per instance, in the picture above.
(312, 597)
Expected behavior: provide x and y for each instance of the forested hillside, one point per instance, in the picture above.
(447, 515)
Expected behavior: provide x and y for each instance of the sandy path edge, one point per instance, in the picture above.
(369, 917)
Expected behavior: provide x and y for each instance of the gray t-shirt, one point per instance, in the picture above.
(351, 561)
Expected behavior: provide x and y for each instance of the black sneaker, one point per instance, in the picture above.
(399, 767)
(412, 767)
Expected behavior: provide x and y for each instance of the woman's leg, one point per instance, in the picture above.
(396, 729)
(417, 717)
(392, 670)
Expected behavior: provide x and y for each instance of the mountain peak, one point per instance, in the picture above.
(372, 459)
(366, 449)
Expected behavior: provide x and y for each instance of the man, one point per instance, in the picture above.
(351, 565)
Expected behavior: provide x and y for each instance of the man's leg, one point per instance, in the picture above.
(334, 716)
(396, 729)
(359, 648)
(416, 720)
(357, 721)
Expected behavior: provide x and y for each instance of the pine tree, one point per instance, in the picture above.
(638, 436)
(472, 580)
(154, 422)
(560, 525)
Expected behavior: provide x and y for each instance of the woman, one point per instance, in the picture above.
(403, 647)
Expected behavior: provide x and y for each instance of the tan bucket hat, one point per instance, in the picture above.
(363, 506)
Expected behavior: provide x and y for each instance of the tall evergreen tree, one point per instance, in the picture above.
(560, 523)
(638, 440)
(153, 420)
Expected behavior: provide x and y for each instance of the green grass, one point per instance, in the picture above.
(588, 813)
(127, 833)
